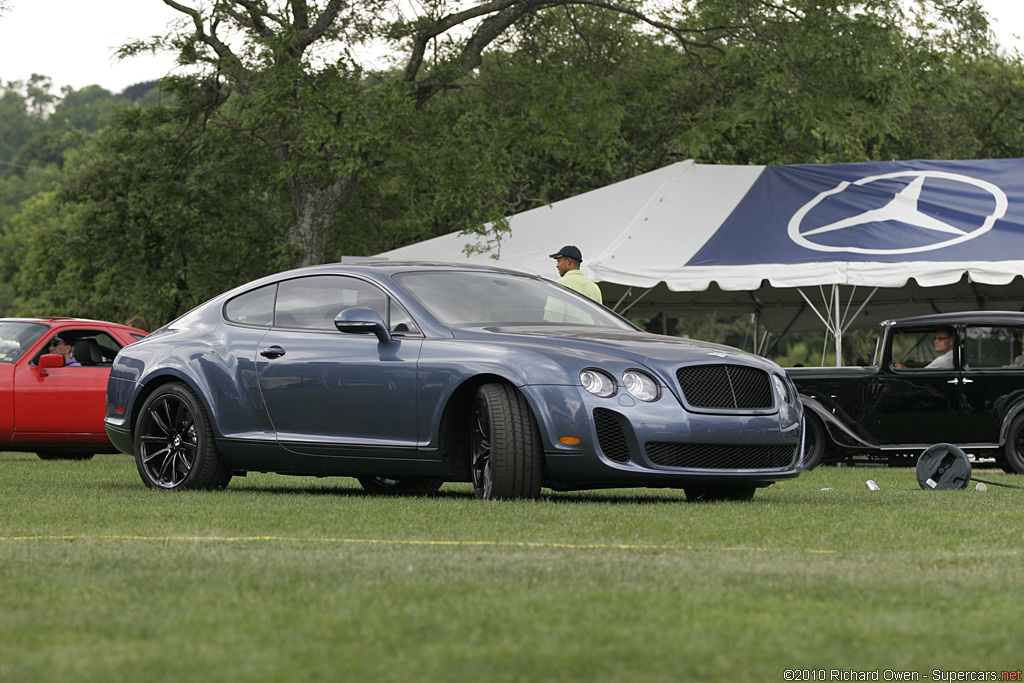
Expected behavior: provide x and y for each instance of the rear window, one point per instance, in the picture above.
(994, 346)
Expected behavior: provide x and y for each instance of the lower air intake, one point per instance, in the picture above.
(720, 457)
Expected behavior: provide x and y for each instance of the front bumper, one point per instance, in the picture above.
(623, 442)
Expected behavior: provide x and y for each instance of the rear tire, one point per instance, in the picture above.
(174, 446)
(507, 459)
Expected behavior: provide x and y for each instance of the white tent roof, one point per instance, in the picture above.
(933, 235)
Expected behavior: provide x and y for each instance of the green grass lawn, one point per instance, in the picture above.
(301, 579)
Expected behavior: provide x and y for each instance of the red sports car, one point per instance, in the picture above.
(53, 383)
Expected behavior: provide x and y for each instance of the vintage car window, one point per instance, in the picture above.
(252, 308)
(17, 337)
(462, 298)
(916, 348)
(312, 303)
(993, 347)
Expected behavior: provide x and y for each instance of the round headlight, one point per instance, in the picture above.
(782, 387)
(641, 385)
(598, 383)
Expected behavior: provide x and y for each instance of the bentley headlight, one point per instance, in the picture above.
(641, 386)
(782, 387)
(598, 383)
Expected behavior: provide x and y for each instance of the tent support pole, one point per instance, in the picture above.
(835, 323)
(838, 326)
(629, 290)
(631, 303)
(830, 326)
(860, 308)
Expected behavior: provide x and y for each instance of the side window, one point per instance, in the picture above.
(95, 348)
(993, 347)
(312, 303)
(924, 348)
(87, 347)
(400, 322)
(252, 308)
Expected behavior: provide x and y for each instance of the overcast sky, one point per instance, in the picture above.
(73, 41)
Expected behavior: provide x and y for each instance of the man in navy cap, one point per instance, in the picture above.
(568, 261)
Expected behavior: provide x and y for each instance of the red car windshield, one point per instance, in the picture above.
(18, 337)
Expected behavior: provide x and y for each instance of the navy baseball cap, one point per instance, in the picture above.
(570, 251)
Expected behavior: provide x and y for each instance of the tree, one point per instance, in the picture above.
(330, 126)
(149, 222)
(334, 128)
(564, 100)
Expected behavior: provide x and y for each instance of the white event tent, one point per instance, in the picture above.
(839, 245)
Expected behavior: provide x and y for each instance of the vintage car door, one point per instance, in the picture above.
(334, 393)
(908, 402)
(992, 383)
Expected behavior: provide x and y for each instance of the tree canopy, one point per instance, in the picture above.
(299, 131)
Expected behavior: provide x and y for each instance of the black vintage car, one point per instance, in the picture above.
(948, 378)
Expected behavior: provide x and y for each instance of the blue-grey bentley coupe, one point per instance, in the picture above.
(409, 375)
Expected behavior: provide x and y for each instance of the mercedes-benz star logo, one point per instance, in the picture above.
(901, 212)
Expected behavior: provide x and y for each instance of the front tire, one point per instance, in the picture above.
(815, 440)
(174, 446)
(507, 459)
(1013, 449)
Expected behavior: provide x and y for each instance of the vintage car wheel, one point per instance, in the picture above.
(1013, 450)
(387, 485)
(174, 446)
(815, 440)
(709, 493)
(506, 454)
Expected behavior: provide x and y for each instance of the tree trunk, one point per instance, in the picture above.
(315, 209)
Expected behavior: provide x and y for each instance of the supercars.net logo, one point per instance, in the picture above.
(904, 222)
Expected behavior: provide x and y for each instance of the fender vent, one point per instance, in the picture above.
(610, 435)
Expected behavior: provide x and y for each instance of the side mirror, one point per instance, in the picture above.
(51, 360)
(363, 321)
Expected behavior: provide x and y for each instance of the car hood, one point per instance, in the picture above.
(640, 347)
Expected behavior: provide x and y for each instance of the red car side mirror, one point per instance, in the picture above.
(50, 360)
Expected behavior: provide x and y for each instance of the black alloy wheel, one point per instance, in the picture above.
(174, 446)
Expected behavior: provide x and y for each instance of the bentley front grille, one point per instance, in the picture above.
(732, 387)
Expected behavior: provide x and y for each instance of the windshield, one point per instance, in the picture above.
(467, 298)
(17, 337)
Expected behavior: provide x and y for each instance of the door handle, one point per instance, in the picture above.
(274, 351)
(967, 381)
(953, 381)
